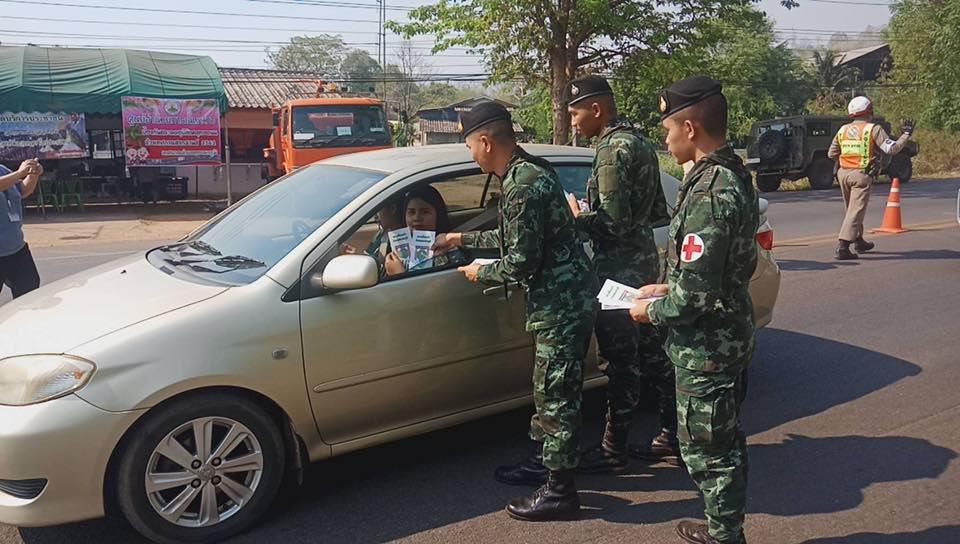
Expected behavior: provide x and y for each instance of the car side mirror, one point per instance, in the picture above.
(275, 118)
(347, 272)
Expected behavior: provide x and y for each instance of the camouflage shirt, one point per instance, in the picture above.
(711, 255)
(541, 249)
(626, 202)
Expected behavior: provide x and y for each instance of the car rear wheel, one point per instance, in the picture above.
(200, 470)
(768, 183)
(820, 173)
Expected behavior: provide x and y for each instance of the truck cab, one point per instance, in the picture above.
(312, 129)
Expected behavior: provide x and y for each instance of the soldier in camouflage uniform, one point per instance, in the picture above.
(541, 250)
(706, 306)
(625, 202)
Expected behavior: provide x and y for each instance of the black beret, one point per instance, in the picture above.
(585, 87)
(685, 93)
(482, 114)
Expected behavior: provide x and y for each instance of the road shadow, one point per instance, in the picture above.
(800, 265)
(805, 475)
(797, 375)
(934, 535)
(913, 255)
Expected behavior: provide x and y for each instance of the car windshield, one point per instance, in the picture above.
(239, 246)
(339, 126)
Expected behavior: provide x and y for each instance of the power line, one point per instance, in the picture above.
(850, 3)
(181, 25)
(326, 3)
(181, 12)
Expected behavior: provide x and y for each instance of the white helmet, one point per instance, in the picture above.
(859, 105)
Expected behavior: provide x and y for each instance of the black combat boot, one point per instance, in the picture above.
(529, 471)
(610, 455)
(697, 533)
(664, 448)
(556, 500)
(843, 251)
(862, 246)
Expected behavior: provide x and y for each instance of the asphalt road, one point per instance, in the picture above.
(851, 416)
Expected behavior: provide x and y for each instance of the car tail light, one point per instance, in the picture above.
(765, 239)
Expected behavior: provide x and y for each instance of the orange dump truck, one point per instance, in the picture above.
(311, 129)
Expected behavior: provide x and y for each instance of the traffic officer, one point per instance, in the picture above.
(541, 250)
(625, 202)
(863, 148)
(705, 304)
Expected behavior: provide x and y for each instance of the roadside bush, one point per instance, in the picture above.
(939, 153)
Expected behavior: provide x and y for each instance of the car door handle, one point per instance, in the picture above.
(498, 290)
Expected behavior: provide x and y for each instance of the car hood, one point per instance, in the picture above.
(83, 307)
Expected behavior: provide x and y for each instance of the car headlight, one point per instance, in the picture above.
(31, 379)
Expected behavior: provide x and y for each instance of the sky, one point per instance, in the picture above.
(235, 32)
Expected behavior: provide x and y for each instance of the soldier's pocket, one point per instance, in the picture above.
(707, 408)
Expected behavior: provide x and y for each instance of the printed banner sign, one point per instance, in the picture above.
(38, 135)
(170, 131)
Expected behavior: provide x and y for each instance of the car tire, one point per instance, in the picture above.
(768, 183)
(900, 167)
(213, 499)
(820, 173)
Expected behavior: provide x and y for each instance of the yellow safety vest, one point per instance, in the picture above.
(856, 143)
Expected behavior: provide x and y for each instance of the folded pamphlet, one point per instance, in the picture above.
(617, 296)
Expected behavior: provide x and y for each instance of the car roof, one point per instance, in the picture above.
(397, 159)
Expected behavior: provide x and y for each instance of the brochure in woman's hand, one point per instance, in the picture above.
(412, 246)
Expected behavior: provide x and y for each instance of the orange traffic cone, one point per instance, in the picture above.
(892, 222)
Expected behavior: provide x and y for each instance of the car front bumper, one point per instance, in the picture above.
(68, 443)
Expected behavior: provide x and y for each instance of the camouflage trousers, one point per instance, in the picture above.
(713, 446)
(631, 356)
(557, 391)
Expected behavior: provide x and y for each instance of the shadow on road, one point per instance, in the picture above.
(824, 475)
(935, 535)
(422, 483)
(914, 255)
(797, 375)
(800, 265)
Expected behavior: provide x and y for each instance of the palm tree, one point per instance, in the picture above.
(833, 77)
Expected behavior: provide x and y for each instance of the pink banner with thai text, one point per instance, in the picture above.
(171, 131)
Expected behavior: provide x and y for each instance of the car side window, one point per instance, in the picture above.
(416, 216)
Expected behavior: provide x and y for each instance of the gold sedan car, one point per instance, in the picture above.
(182, 384)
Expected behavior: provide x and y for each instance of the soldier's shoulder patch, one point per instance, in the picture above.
(528, 173)
(692, 247)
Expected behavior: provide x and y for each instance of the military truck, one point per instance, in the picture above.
(796, 147)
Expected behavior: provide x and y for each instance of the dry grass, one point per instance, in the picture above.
(802, 184)
(939, 154)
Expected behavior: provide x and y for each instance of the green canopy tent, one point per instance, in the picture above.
(59, 79)
(92, 81)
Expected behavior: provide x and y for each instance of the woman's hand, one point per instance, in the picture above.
(393, 265)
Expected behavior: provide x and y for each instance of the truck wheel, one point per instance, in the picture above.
(820, 173)
(768, 183)
(900, 167)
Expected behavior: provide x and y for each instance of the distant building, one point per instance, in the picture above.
(442, 125)
(871, 62)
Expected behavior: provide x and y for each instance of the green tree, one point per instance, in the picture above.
(924, 83)
(322, 53)
(359, 70)
(761, 79)
(552, 41)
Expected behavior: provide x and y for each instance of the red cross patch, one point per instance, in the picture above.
(692, 248)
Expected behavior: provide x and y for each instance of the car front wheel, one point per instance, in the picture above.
(201, 469)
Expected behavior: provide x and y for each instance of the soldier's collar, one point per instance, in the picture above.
(615, 124)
